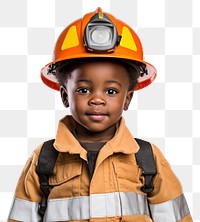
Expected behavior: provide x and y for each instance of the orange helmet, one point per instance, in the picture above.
(98, 35)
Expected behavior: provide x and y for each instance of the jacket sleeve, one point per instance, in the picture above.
(27, 194)
(167, 201)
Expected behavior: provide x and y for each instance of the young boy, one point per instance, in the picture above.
(97, 66)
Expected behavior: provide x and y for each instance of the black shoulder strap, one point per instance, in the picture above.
(47, 159)
(145, 159)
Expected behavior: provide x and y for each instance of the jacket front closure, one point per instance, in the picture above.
(114, 189)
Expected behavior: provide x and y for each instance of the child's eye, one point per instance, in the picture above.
(111, 91)
(83, 90)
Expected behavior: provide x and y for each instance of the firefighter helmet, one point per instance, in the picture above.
(98, 35)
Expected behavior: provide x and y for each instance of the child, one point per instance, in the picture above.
(97, 66)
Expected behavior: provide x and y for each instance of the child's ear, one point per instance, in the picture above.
(129, 97)
(64, 96)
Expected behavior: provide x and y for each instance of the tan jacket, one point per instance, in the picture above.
(114, 192)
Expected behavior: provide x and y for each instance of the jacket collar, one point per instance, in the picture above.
(122, 142)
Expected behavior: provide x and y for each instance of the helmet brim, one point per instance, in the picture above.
(48, 74)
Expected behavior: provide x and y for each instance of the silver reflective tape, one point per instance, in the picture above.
(75, 208)
(133, 203)
(23, 210)
(172, 211)
(96, 206)
(105, 205)
(83, 207)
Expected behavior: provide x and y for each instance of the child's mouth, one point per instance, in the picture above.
(97, 116)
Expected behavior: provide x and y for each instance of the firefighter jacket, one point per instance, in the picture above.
(112, 194)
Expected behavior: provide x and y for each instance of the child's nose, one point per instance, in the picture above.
(97, 100)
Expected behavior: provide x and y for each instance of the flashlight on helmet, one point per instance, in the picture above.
(100, 34)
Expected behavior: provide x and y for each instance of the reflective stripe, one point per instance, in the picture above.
(83, 207)
(23, 210)
(97, 206)
(100, 206)
(173, 210)
(133, 204)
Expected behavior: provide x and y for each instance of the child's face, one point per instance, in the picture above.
(97, 93)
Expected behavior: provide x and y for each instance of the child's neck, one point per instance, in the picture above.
(85, 135)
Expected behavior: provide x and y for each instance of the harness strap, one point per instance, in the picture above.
(47, 158)
(146, 161)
